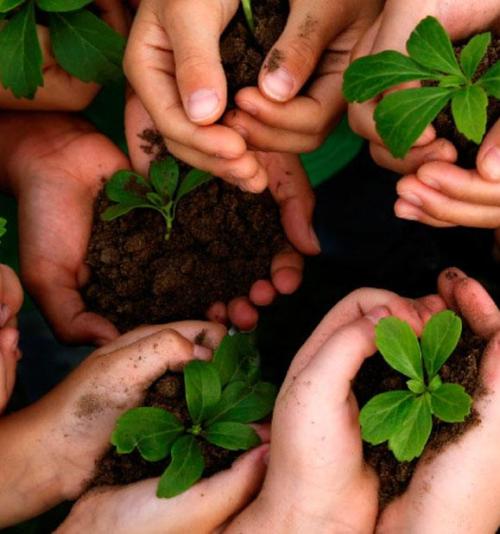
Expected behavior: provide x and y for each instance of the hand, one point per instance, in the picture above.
(458, 490)
(60, 90)
(315, 46)
(292, 191)
(58, 440)
(56, 171)
(11, 298)
(317, 480)
(391, 31)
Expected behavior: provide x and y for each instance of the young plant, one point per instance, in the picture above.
(162, 192)
(82, 44)
(404, 417)
(247, 10)
(223, 396)
(402, 116)
(3, 226)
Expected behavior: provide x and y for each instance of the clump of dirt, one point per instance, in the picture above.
(119, 469)
(444, 124)
(377, 377)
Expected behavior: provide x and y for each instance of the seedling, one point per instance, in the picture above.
(3, 226)
(223, 396)
(82, 44)
(247, 10)
(402, 116)
(404, 417)
(162, 192)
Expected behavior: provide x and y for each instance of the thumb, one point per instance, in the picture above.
(488, 158)
(295, 55)
(198, 69)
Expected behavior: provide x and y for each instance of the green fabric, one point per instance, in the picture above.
(339, 149)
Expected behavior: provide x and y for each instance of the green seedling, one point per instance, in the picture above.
(82, 44)
(247, 10)
(3, 226)
(162, 192)
(402, 116)
(223, 396)
(404, 417)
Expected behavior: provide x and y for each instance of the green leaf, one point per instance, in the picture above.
(203, 389)
(439, 340)
(369, 76)
(490, 81)
(451, 81)
(430, 46)
(402, 116)
(191, 181)
(382, 415)
(61, 6)
(469, 109)
(155, 199)
(86, 47)
(232, 436)
(247, 10)
(414, 431)
(435, 383)
(416, 386)
(237, 358)
(451, 403)
(3, 226)
(473, 52)
(165, 177)
(120, 187)
(244, 403)
(21, 64)
(185, 469)
(399, 346)
(118, 210)
(9, 5)
(151, 430)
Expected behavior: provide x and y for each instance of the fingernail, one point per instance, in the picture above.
(377, 313)
(242, 131)
(278, 85)
(411, 198)
(248, 107)
(5, 315)
(427, 180)
(315, 239)
(491, 163)
(202, 104)
(405, 213)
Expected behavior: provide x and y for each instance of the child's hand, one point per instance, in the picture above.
(51, 447)
(317, 480)
(11, 298)
(458, 490)
(60, 90)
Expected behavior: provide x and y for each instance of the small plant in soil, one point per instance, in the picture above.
(162, 192)
(402, 116)
(404, 418)
(82, 43)
(223, 396)
(247, 10)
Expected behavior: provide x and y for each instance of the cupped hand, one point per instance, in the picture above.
(56, 172)
(61, 91)
(59, 438)
(317, 480)
(299, 98)
(458, 490)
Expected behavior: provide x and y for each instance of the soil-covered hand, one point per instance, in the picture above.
(51, 447)
(56, 169)
(461, 19)
(284, 114)
(317, 480)
(60, 90)
(458, 490)
(11, 298)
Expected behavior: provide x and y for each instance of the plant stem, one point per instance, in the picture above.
(247, 9)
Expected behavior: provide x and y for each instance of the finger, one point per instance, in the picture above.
(242, 314)
(290, 187)
(137, 122)
(488, 158)
(217, 313)
(446, 209)
(410, 212)
(262, 293)
(113, 13)
(438, 150)
(447, 281)
(429, 305)
(287, 268)
(9, 356)
(11, 295)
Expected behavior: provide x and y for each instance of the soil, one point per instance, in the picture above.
(223, 240)
(445, 125)
(377, 377)
(119, 469)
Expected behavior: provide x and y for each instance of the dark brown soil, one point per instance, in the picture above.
(445, 125)
(167, 393)
(377, 377)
